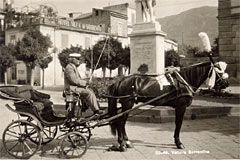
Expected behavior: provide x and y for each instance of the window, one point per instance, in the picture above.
(13, 39)
(120, 29)
(64, 40)
(97, 13)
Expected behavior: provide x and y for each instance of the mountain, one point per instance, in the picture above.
(184, 27)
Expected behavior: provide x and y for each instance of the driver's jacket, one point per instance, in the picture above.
(74, 82)
(72, 78)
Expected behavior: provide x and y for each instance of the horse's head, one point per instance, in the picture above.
(218, 78)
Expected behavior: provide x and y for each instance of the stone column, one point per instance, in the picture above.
(229, 37)
(147, 45)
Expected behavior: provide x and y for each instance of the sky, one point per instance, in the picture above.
(163, 8)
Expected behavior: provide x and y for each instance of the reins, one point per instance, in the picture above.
(104, 121)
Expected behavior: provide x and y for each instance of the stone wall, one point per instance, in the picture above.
(229, 36)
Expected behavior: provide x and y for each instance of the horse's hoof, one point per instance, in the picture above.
(122, 149)
(180, 146)
(129, 144)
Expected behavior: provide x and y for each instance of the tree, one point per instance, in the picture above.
(33, 47)
(7, 59)
(124, 58)
(43, 63)
(105, 54)
(63, 56)
(172, 58)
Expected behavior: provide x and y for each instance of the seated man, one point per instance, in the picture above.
(74, 82)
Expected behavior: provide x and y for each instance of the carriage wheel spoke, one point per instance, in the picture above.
(20, 129)
(74, 144)
(14, 146)
(17, 139)
(32, 131)
(11, 141)
(48, 133)
(70, 149)
(48, 129)
(12, 134)
(16, 153)
(78, 152)
(28, 147)
(23, 149)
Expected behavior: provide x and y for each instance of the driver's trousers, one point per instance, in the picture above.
(89, 97)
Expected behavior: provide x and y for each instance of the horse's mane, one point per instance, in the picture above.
(196, 74)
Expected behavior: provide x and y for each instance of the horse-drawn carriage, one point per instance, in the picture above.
(37, 124)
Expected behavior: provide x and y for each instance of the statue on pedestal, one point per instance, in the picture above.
(147, 10)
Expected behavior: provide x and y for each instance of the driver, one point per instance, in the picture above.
(74, 82)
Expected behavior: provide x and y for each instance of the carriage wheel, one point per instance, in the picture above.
(16, 139)
(73, 145)
(48, 133)
(84, 131)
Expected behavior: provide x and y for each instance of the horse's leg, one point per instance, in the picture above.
(179, 113)
(125, 137)
(125, 106)
(121, 141)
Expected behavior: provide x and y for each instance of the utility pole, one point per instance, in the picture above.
(91, 56)
(182, 43)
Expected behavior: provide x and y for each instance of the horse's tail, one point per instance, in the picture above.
(112, 107)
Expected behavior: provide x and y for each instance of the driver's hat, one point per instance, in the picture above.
(75, 55)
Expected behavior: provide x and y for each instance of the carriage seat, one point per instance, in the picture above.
(40, 100)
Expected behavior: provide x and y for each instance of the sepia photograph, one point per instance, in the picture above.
(120, 79)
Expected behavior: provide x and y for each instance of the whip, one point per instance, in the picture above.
(98, 60)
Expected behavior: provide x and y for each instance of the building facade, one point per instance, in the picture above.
(229, 36)
(126, 9)
(82, 30)
(63, 33)
(114, 23)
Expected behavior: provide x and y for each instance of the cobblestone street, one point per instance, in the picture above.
(216, 138)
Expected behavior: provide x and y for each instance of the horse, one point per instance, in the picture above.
(174, 88)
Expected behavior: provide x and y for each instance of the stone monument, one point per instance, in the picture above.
(147, 40)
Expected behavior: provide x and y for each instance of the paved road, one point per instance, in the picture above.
(204, 139)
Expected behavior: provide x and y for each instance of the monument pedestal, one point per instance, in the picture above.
(147, 48)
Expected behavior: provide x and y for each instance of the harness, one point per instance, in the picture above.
(135, 91)
(217, 70)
